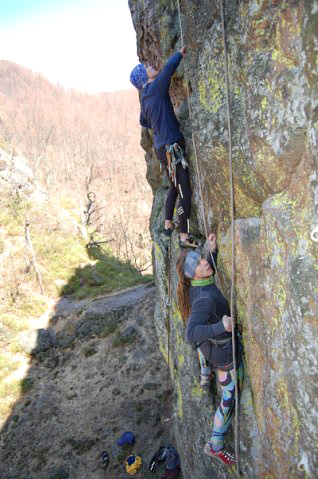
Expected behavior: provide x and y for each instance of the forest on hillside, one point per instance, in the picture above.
(85, 148)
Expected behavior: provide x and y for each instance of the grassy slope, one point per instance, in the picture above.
(66, 268)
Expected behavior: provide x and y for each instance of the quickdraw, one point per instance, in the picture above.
(174, 155)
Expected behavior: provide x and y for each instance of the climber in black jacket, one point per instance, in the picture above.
(209, 326)
(157, 113)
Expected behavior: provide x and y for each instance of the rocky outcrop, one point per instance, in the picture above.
(273, 72)
(80, 396)
(17, 178)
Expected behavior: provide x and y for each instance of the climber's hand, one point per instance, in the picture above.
(227, 323)
(212, 242)
(183, 50)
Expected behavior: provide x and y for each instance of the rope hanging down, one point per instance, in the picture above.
(167, 419)
(232, 306)
(195, 153)
(232, 207)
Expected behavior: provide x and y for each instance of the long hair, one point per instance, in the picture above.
(183, 288)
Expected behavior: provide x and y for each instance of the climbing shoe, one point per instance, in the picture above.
(223, 455)
(168, 231)
(104, 459)
(188, 243)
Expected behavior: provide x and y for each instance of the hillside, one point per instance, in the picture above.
(82, 147)
(75, 206)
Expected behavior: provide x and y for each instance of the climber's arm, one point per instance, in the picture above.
(164, 77)
(198, 327)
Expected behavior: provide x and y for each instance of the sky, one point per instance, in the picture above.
(89, 45)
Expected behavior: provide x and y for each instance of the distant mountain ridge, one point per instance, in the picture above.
(18, 74)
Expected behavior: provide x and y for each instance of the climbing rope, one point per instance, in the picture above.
(196, 156)
(167, 419)
(231, 202)
(168, 328)
(232, 305)
(169, 299)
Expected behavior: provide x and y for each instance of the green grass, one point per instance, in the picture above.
(67, 203)
(1, 245)
(32, 306)
(106, 275)
(58, 258)
(63, 258)
(7, 366)
(26, 384)
(13, 323)
(12, 215)
(89, 350)
(120, 340)
(26, 307)
(125, 452)
(109, 329)
(10, 392)
(4, 145)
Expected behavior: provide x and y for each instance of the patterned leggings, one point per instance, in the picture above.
(225, 411)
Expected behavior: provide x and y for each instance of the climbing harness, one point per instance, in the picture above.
(314, 234)
(232, 305)
(220, 342)
(174, 155)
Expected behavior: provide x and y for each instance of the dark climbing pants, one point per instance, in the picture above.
(224, 413)
(182, 189)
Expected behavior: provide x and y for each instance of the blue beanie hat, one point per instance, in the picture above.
(138, 76)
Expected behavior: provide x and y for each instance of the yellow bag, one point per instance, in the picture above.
(133, 464)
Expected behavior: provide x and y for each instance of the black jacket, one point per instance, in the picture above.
(208, 306)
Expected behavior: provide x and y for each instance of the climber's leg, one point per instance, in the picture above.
(184, 190)
(224, 414)
(172, 193)
(170, 202)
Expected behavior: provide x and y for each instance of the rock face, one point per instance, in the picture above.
(273, 75)
(17, 177)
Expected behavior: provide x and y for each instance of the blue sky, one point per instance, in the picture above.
(85, 44)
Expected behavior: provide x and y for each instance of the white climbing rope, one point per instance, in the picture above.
(196, 156)
(232, 305)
